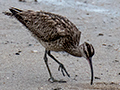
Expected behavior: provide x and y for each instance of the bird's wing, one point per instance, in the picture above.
(45, 25)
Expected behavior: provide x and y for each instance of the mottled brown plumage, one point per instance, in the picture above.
(55, 33)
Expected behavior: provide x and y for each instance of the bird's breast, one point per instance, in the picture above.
(53, 45)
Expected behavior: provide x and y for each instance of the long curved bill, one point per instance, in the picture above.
(90, 62)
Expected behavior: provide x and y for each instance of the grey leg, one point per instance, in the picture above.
(51, 79)
(61, 66)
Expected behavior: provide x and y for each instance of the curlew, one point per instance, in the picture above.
(55, 33)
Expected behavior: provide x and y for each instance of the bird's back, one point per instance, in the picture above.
(49, 28)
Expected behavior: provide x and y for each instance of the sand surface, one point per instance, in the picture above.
(21, 56)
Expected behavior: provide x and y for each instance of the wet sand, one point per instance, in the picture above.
(21, 56)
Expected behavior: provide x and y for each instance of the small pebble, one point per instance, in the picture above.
(97, 78)
(112, 18)
(110, 35)
(41, 88)
(7, 77)
(112, 83)
(56, 56)
(6, 42)
(87, 13)
(34, 51)
(100, 34)
(30, 45)
(95, 27)
(87, 39)
(116, 61)
(104, 44)
(85, 1)
(109, 45)
(17, 53)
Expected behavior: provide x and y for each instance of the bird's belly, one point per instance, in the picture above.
(53, 46)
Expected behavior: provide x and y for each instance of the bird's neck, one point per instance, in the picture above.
(75, 51)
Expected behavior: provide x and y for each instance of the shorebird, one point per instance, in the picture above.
(55, 33)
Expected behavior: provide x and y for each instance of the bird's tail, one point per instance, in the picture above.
(14, 10)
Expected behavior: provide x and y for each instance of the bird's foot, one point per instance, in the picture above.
(52, 80)
(63, 70)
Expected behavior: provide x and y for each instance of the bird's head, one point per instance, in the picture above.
(87, 52)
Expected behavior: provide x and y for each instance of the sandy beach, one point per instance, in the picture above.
(21, 56)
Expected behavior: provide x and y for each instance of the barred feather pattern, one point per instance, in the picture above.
(54, 32)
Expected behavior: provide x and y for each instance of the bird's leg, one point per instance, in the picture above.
(61, 66)
(51, 79)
